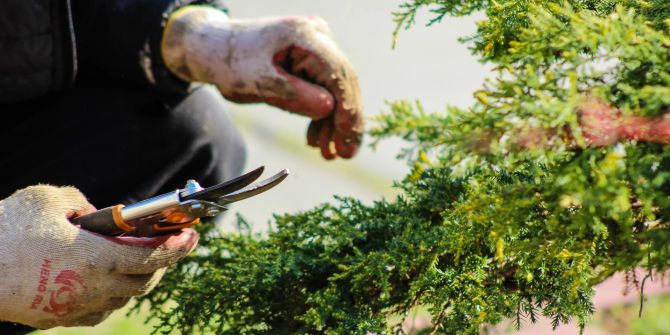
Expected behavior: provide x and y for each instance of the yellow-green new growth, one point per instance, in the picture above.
(492, 222)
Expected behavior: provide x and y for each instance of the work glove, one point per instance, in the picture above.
(56, 274)
(289, 62)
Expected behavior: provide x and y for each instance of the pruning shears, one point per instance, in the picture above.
(170, 212)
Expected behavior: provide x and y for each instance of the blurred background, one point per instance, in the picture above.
(429, 65)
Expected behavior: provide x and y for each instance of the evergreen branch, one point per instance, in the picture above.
(483, 228)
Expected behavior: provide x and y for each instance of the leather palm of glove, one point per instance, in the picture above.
(55, 274)
(289, 62)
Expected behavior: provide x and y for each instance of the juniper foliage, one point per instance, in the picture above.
(482, 230)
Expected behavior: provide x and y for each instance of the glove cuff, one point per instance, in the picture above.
(184, 27)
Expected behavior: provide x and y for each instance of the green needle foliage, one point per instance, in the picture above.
(484, 229)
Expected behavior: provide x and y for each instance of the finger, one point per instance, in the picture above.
(309, 100)
(348, 120)
(600, 123)
(346, 145)
(334, 72)
(313, 132)
(325, 140)
(146, 255)
(131, 285)
(296, 94)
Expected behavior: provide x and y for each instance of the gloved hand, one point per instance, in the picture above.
(604, 125)
(55, 274)
(289, 62)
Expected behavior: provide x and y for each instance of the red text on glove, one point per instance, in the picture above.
(69, 284)
(45, 271)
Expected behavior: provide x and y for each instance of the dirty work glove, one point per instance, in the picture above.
(289, 62)
(55, 274)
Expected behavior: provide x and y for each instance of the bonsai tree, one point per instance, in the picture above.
(555, 179)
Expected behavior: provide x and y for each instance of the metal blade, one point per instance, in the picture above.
(215, 192)
(254, 189)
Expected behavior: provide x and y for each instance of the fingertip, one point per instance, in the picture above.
(346, 150)
(346, 145)
(327, 153)
(326, 142)
(186, 240)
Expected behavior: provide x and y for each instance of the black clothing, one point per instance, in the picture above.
(121, 39)
(44, 44)
(120, 150)
(87, 101)
(14, 329)
(36, 48)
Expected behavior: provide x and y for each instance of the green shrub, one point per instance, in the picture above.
(485, 228)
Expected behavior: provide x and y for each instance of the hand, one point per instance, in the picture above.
(600, 124)
(292, 63)
(603, 125)
(55, 274)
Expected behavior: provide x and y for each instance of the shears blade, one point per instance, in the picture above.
(215, 192)
(252, 190)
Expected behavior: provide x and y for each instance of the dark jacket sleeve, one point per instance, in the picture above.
(120, 39)
(36, 48)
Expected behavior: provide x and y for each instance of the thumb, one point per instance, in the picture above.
(303, 97)
(145, 255)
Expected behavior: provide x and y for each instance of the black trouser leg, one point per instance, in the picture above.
(119, 146)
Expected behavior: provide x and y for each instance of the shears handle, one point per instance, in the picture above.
(106, 221)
